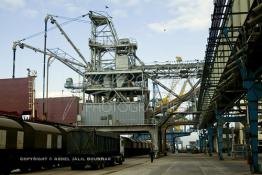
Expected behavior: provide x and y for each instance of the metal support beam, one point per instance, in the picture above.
(181, 134)
(210, 140)
(155, 140)
(234, 119)
(253, 117)
(219, 134)
(142, 136)
(228, 141)
(254, 93)
(163, 86)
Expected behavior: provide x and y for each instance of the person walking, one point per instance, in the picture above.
(152, 154)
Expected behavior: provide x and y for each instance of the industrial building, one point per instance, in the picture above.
(219, 98)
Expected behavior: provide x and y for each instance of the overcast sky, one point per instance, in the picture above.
(163, 30)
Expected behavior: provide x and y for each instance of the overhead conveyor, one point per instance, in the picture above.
(232, 79)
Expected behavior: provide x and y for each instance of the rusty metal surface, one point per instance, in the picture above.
(14, 95)
(59, 109)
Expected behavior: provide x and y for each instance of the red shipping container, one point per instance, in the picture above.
(16, 96)
(59, 109)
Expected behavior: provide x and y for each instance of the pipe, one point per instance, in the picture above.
(53, 21)
(255, 20)
(230, 71)
(47, 83)
(257, 9)
(44, 67)
(14, 54)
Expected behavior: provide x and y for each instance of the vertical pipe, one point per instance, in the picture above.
(47, 85)
(154, 97)
(84, 102)
(14, 54)
(44, 66)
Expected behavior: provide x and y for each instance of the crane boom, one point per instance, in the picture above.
(53, 21)
(67, 62)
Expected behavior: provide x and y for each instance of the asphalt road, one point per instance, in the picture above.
(180, 164)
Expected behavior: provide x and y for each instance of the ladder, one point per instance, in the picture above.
(30, 92)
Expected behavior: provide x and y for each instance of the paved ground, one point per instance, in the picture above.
(180, 164)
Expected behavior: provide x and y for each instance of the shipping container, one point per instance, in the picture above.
(16, 96)
(113, 114)
(59, 109)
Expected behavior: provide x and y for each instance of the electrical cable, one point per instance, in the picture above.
(52, 28)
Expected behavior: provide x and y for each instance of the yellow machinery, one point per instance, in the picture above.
(166, 103)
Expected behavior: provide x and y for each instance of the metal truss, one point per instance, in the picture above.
(222, 43)
(209, 82)
(231, 89)
(192, 69)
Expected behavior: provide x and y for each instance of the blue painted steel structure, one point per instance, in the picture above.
(254, 93)
(233, 56)
(169, 135)
(219, 134)
(142, 136)
(210, 130)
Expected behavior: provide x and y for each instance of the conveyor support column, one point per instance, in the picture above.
(254, 93)
(210, 139)
(228, 140)
(219, 134)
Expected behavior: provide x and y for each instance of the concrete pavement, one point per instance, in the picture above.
(179, 164)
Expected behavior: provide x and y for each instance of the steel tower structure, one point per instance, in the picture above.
(116, 80)
(112, 75)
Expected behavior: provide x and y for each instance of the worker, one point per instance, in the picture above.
(152, 154)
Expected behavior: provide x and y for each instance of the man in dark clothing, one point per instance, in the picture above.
(152, 154)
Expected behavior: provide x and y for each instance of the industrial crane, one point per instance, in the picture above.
(114, 72)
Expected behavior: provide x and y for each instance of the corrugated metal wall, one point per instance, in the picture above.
(113, 114)
(59, 109)
(14, 95)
